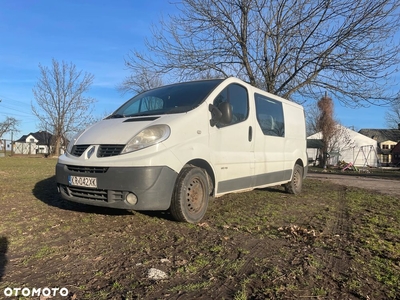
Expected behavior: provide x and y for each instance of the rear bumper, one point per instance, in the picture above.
(153, 186)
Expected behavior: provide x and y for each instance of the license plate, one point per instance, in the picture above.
(82, 181)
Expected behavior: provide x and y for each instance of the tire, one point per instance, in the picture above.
(296, 184)
(190, 197)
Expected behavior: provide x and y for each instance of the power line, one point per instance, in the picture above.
(10, 99)
(7, 104)
(18, 110)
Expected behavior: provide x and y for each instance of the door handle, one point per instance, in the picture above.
(250, 133)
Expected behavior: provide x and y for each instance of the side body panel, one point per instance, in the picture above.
(269, 159)
(295, 141)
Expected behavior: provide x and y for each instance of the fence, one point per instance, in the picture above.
(9, 147)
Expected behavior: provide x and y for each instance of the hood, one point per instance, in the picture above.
(114, 131)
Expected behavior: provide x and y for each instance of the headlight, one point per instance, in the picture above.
(69, 147)
(147, 137)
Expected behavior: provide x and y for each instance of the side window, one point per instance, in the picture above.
(237, 97)
(270, 116)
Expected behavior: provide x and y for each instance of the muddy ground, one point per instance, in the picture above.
(263, 244)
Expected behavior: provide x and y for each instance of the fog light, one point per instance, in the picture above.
(131, 199)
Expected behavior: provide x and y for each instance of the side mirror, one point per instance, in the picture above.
(221, 114)
(226, 110)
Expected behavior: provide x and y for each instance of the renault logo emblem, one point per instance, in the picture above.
(90, 152)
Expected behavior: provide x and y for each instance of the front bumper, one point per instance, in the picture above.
(153, 186)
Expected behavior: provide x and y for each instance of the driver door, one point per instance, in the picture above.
(233, 143)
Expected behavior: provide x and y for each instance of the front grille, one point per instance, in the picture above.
(83, 169)
(93, 194)
(77, 150)
(103, 151)
(109, 150)
(88, 194)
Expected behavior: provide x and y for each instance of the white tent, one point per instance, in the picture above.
(349, 146)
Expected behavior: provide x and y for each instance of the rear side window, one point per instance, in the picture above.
(236, 95)
(270, 116)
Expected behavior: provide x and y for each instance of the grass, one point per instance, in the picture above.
(242, 293)
(377, 233)
(328, 242)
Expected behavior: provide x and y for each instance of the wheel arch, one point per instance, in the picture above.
(300, 162)
(203, 164)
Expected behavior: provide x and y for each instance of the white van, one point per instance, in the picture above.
(176, 146)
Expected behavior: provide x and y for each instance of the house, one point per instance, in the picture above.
(34, 143)
(387, 140)
(346, 145)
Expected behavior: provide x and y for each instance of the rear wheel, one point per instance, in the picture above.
(190, 198)
(296, 184)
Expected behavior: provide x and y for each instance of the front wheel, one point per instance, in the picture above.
(190, 198)
(296, 184)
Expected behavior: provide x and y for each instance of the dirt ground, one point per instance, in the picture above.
(263, 244)
(381, 185)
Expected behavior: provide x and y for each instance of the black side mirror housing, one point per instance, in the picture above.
(221, 114)
(226, 110)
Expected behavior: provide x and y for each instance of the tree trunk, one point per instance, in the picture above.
(57, 146)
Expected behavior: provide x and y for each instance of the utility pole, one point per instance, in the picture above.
(12, 143)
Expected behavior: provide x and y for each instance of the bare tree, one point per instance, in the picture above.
(141, 81)
(144, 79)
(320, 119)
(312, 115)
(9, 124)
(326, 125)
(60, 102)
(392, 116)
(293, 48)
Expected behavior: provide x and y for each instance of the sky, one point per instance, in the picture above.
(96, 36)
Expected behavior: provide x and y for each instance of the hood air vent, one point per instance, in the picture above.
(142, 119)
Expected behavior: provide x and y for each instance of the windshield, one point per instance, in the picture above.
(176, 98)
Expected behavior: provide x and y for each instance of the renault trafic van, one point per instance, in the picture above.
(174, 147)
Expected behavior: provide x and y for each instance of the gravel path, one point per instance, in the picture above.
(385, 186)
